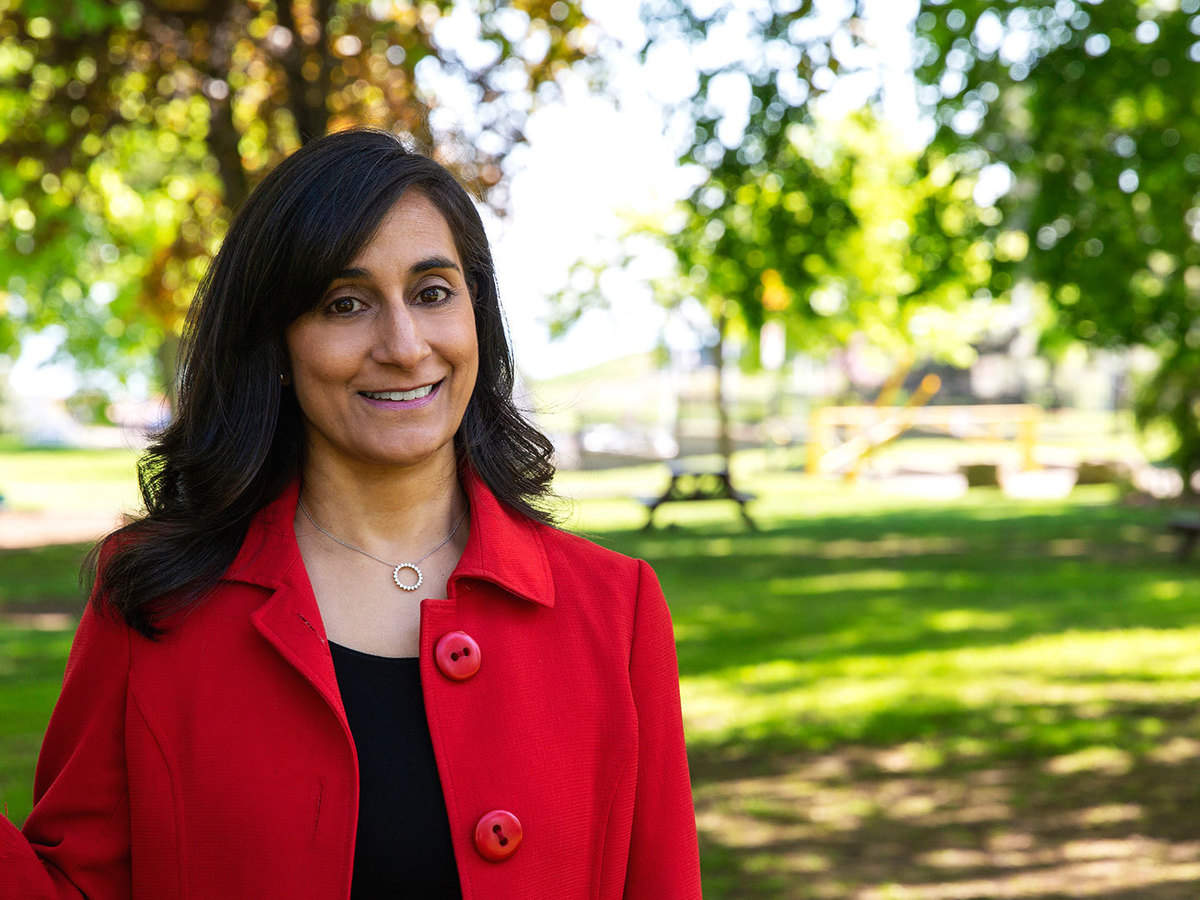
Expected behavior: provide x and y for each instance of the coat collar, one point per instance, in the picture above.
(503, 547)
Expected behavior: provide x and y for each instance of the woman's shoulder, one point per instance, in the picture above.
(569, 542)
(115, 559)
(611, 595)
(587, 559)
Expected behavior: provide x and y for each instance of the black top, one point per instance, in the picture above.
(403, 847)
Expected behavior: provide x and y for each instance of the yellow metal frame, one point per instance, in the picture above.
(877, 426)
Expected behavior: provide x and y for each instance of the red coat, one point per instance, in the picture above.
(217, 762)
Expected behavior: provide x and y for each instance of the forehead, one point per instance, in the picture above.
(413, 228)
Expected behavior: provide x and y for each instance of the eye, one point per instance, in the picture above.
(434, 294)
(344, 305)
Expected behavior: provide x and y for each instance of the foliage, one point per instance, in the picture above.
(1092, 109)
(841, 237)
(1171, 397)
(758, 230)
(130, 131)
(826, 227)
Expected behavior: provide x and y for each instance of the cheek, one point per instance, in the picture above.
(473, 354)
(470, 366)
(318, 366)
(471, 344)
(315, 357)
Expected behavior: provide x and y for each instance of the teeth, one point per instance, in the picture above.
(399, 395)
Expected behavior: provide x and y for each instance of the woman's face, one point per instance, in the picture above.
(384, 365)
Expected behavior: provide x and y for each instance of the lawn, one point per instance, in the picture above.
(75, 480)
(884, 697)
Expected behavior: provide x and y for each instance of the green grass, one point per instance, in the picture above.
(75, 480)
(41, 578)
(857, 621)
(31, 667)
(884, 697)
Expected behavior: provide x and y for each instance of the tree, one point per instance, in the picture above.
(826, 227)
(761, 220)
(1091, 107)
(130, 132)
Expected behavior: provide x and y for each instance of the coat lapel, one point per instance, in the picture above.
(289, 619)
(503, 548)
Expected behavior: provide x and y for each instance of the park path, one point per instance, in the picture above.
(21, 529)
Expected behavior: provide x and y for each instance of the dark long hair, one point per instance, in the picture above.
(237, 437)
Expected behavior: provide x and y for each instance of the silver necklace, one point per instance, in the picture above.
(398, 567)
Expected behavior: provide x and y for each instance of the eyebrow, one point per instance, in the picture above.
(424, 265)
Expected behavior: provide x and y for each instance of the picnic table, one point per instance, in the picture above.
(691, 483)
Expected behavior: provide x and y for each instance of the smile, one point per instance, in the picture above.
(414, 394)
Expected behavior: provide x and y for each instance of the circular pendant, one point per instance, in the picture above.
(402, 585)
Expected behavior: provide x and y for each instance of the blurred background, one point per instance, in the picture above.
(872, 324)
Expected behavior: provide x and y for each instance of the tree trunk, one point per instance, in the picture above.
(306, 99)
(167, 357)
(223, 135)
(223, 144)
(724, 439)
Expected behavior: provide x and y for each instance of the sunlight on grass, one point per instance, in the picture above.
(70, 479)
(862, 580)
(1165, 589)
(952, 620)
(1177, 750)
(854, 697)
(1109, 760)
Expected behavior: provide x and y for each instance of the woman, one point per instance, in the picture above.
(258, 702)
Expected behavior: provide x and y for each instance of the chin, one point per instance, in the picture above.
(407, 457)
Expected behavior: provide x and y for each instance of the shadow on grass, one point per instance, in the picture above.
(960, 702)
(923, 582)
(878, 823)
(31, 670)
(44, 579)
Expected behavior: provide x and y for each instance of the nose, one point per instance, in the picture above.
(400, 340)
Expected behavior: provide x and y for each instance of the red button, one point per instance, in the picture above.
(457, 655)
(497, 835)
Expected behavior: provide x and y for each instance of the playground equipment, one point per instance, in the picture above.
(874, 426)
